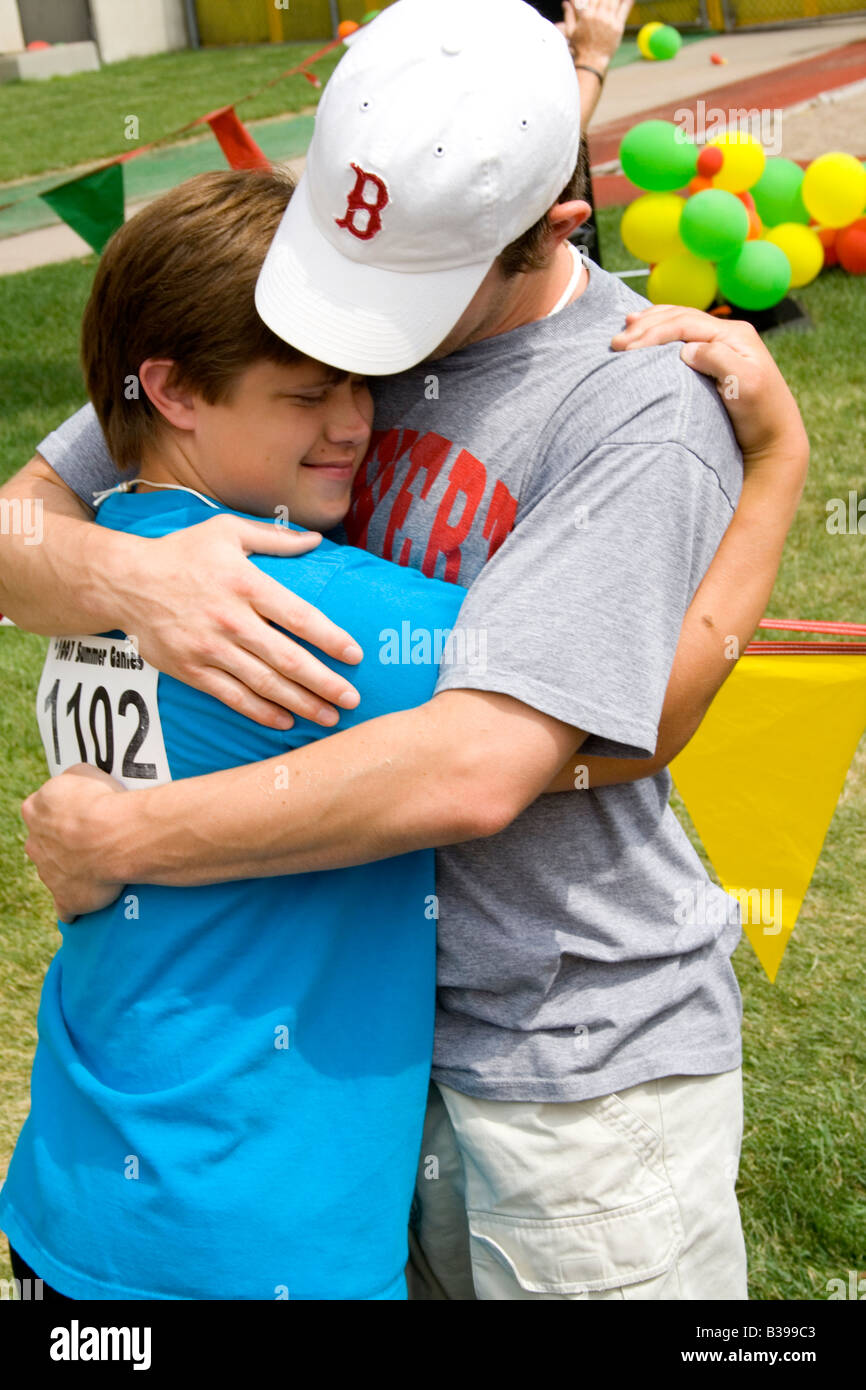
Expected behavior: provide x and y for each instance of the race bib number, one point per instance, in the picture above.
(97, 704)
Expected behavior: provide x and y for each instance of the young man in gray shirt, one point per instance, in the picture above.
(585, 1113)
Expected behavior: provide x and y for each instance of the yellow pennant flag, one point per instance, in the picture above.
(761, 820)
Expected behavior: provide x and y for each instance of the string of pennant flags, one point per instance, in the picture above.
(93, 204)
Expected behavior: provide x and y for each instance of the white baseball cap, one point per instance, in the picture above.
(447, 129)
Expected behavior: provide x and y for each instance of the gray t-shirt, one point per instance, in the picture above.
(580, 494)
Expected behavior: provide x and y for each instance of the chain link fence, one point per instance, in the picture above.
(257, 21)
(740, 14)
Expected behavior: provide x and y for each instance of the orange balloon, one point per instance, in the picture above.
(851, 247)
(710, 161)
(346, 27)
(699, 183)
(827, 237)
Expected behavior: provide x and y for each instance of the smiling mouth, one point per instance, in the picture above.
(333, 465)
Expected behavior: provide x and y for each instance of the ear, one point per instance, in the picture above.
(565, 218)
(177, 405)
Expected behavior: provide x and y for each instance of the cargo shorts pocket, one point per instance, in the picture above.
(580, 1255)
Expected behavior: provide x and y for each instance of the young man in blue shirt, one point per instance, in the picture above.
(229, 1084)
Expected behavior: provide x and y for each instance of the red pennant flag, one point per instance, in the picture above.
(312, 78)
(236, 143)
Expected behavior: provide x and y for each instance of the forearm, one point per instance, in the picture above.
(593, 31)
(590, 87)
(730, 601)
(399, 783)
(56, 575)
(727, 607)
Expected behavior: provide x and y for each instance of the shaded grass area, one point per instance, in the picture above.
(802, 1176)
(83, 118)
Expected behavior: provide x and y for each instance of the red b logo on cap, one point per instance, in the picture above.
(357, 204)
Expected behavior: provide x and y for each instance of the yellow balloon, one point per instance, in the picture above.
(650, 226)
(743, 162)
(643, 37)
(834, 189)
(802, 246)
(683, 279)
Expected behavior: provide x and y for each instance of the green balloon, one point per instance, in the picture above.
(658, 155)
(777, 193)
(714, 224)
(757, 277)
(665, 42)
(371, 14)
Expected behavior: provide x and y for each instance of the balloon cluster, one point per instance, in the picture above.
(657, 40)
(748, 227)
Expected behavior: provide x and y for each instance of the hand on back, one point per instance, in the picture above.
(763, 412)
(207, 618)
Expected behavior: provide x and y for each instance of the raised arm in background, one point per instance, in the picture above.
(594, 30)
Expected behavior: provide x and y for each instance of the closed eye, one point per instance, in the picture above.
(320, 395)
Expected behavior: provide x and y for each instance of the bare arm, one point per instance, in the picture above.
(214, 635)
(594, 31)
(37, 588)
(460, 767)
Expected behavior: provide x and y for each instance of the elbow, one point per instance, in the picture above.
(662, 757)
(489, 814)
(670, 748)
(479, 802)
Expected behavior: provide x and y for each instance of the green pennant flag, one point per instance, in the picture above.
(92, 205)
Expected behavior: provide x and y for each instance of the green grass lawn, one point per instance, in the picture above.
(76, 120)
(802, 1178)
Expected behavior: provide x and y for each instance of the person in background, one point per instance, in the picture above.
(594, 30)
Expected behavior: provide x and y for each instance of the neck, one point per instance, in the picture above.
(542, 298)
(523, 299)
(167, 463)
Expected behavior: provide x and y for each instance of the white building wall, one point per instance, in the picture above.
(11, 38)
(132, 28)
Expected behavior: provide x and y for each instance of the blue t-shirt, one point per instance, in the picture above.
(229, 1085)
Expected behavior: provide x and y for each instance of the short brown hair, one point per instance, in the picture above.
(528, 251)
(178, 281)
